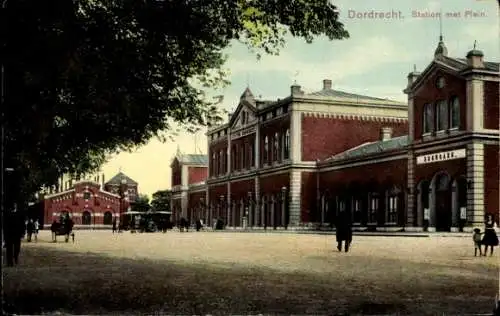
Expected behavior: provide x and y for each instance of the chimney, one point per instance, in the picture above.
(475, 59)
(385, 133)
(327, 84)
(412, 76)
(102, 179)
(295, 90)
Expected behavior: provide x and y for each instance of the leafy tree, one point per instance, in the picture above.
(87, 78)
(161, 201)
(141, 204)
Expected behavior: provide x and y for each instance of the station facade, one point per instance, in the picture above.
(296, 162)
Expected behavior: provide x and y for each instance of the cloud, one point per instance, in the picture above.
(362, 57)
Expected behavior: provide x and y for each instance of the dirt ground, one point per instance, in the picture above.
(250, 273)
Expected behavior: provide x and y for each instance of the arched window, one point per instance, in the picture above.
(108, 218)
(276, 146)
(213, 164)
(266, 149)
(286, 147)
(221, 161)
(428, 119)
(86, 218)
(454, 112)
(442, 115)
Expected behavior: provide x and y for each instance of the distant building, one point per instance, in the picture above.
(432, 163)
(89, 203)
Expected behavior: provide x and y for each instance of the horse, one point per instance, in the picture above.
(62, 229)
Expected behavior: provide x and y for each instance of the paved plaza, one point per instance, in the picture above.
(239, 273)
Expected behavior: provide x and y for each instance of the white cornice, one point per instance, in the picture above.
(355, 117)
(49, 196)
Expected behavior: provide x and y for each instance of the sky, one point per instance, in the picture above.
(374, 61)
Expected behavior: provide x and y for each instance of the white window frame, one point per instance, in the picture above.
(373, 209)
(392, 209)
(356, 208)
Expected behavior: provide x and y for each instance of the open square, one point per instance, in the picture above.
(250, 273)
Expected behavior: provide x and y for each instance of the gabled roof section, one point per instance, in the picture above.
(121, 178)
(331, 93)
(248, 101)
(193, 159)
(452, 65)
(372, 148)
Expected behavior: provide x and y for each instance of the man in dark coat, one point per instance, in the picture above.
(343, 230)
(14, 229)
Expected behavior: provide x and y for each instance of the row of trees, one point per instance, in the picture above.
(85, 79)
(159, 203)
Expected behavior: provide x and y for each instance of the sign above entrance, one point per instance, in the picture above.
(442, 156)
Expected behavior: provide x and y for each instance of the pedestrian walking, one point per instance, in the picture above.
(114, 225)
(343, 232)
(37, 227)
(14, 229)
(30, 228)
(490, 237)
(476, 237)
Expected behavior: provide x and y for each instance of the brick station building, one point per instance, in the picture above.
(298, 161)
(90, 203)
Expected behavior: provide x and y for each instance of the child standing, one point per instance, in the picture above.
(476, 237)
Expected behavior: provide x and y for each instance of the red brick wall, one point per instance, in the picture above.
(269, 129)
(428, 93)
(214, 193)
(491, 104)
(325, 137)
(394, 172)
(197, 174)
(216, 148)
(491, 179)
(176, 173)
(73, 204)
(309, 212)
(272, 185)
(455, 168)
(241, 152)
(240, 189)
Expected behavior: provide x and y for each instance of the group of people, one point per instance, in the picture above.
(32, 227)
(487, 239)
(63, 227)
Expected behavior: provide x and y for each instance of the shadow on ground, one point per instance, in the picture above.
(51, 280)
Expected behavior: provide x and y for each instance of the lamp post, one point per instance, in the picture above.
(219, 213)
(202, 209)
(284, 217)
(251, 212)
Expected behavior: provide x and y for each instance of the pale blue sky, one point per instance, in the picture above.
(375, 61)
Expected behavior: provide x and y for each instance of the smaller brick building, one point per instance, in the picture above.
(89, 203)
(188, 185)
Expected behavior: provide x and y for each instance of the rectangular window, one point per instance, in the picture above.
(356, 207)
(454, 112)
(393, 210)
(86, 196)
(243, 155)
(442, 116)
(428, 118)
(252, 154)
